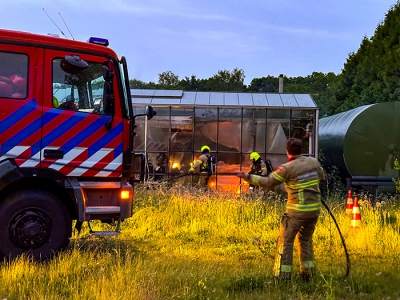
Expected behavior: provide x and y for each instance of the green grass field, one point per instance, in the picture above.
(181, 244)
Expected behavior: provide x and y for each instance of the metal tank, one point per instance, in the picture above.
(363, 141)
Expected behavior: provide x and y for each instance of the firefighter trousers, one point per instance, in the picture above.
(201, 180)
(300, 229)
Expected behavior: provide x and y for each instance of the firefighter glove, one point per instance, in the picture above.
(191, 170)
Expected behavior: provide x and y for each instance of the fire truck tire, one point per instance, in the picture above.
(35, 223)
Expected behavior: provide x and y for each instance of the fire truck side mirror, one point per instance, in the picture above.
(150, 112)
(107, 74)
(73, 64)
(108, 95)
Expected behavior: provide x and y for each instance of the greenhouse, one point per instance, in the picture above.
(232, 124)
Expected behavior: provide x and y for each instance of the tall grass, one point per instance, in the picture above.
(186, 244)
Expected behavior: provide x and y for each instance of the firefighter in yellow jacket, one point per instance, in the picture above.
(259, 166)
(202, 162)
(301, 176)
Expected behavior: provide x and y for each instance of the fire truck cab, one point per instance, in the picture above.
(66, 140)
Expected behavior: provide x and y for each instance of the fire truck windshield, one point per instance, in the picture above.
(80, 91)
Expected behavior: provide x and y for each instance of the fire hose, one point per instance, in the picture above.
(341, 237)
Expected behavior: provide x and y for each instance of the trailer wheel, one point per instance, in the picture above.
(35, 223)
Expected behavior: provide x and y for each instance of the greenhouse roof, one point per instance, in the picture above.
(232, 99)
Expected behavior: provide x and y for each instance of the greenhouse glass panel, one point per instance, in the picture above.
(278, 130)
(254, 128)
(231, 99)
(188, 98)
(158, 134)
(288, 100)
(274, 100)
(139, 140)
(302, 126)
(247, 162)
(227, 165)
(276, 159)
(202, 98)
(259, 99)
(217, 98)
(230, 130)
(180, 162)
(245, 99)
(205, 128)
(181, 129)
(157, 165)
(179, 165)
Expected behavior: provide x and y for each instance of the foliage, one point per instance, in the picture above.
(227, 81)
(372, 74)
(224, 80)
(334, 184)
(184, 244)
(193, 84)
(397, 181)
(168, 80)
(267, 84)
(138, 84)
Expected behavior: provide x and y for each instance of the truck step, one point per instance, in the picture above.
(101, 210)
(114, 229)
(104, 233)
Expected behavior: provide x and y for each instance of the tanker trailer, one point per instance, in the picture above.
(363, 144)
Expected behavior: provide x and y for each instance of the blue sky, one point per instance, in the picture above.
(200, 37)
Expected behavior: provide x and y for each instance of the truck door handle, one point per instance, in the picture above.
(51, 153)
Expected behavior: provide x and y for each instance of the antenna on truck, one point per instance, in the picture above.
(66, 26)
(57, 25)
(54, 23)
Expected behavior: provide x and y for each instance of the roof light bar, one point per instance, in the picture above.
(98, 41)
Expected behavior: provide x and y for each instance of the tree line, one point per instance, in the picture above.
(370, 75)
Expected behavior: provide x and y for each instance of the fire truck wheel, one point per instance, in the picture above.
(34, 223)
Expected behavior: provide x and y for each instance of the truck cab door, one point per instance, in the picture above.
(20, 103)
(82, 124)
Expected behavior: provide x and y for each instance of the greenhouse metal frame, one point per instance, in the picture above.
(232, 124)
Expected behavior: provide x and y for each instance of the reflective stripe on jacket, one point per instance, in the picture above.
(201, 162)
(301, 178)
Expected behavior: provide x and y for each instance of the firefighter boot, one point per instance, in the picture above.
(282, 273)
(307, 273)
(284, 277)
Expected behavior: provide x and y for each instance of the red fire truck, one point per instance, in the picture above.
(66, 140)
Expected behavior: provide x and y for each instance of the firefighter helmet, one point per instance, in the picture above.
(254, 156)
(55, 102)
(205, 147)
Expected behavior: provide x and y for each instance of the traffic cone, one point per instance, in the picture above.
(349, 204)
(356, 215)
